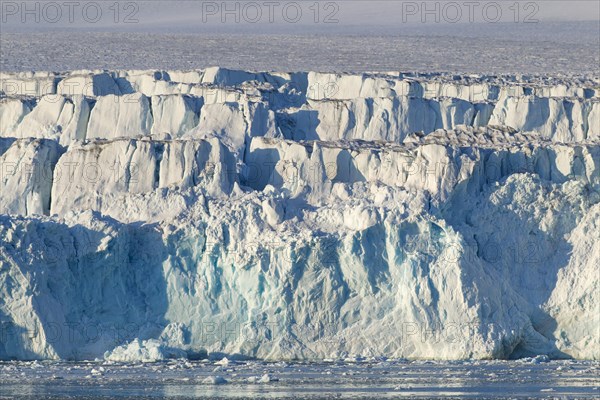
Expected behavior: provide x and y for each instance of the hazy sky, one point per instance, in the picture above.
(206, 15)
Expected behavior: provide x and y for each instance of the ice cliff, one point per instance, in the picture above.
(156, 214)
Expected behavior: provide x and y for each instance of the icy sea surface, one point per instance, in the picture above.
(508, 48)
(373, 379)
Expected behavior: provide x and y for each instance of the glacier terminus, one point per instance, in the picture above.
(151, 215)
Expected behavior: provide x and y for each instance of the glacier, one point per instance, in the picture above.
(147, 215)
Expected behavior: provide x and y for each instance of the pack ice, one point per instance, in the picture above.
(155, 214)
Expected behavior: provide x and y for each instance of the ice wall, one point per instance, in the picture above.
(26, 181)
(311, 106)
(298, 215)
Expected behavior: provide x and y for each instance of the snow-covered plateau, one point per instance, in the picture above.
(147, 215)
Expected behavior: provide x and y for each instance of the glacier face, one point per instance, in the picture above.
(298, 215)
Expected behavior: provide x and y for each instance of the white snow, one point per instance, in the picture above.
(302, 106)
(214, 380)
(12, 112)
(173, 115)
(56, 117)
(120, 116)
(148, 215)
(151, 350)
(27, 175)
